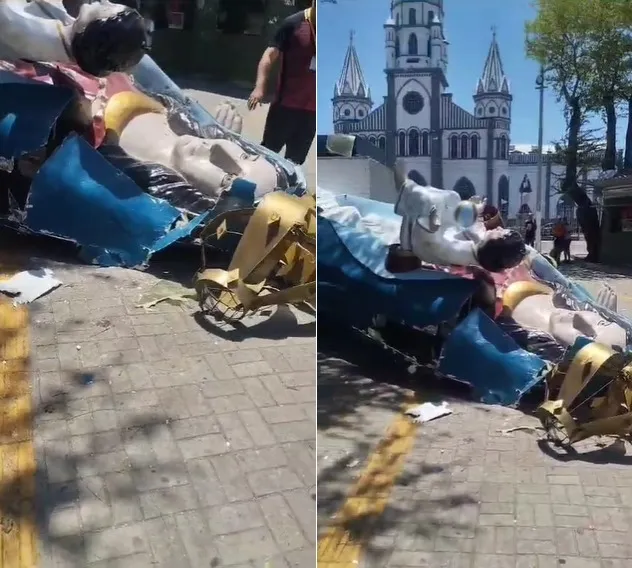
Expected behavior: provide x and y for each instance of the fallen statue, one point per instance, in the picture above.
(430, 281)
(99, 147)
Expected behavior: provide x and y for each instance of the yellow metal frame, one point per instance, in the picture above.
(589, 395)
(278, 244)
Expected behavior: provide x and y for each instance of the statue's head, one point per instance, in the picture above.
(203, 160)
(500, 250)
(107, 37)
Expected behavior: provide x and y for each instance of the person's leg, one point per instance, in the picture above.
(301, 136)
(276, 129)
(556, 252)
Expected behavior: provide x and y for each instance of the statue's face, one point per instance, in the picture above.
(541, 312)
(567, 326)
(211, 165)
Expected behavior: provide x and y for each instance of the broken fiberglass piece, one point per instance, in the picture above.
(29, 110)
(479, 353)
(78, 196)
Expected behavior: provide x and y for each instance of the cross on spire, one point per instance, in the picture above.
(494, 29)
(351, 35)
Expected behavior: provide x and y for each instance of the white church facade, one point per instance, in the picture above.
(441, 143)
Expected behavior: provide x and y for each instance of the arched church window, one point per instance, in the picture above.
(474, 146)
(397, 18)
(402, 143)
(454, 147)
(396, 47)
(503, 196)
(430, 16)
(373, 140)
(503, 111)
(412, 17)
(360, 113)
(413, 46)
(425, 144)
(464, 144)
(381, 142)
(413, 142)
(492, 110)
(347, 112)
(479, 111)
(502, 148)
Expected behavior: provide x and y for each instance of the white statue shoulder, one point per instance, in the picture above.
(33, 31)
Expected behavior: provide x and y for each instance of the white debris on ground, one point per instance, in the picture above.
(29, 285)
(428, 411)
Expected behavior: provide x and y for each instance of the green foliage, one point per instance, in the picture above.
(585, 47)
(556, 38)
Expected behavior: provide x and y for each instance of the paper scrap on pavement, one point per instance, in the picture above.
(26, 287)
(428, 411)
(171, 292)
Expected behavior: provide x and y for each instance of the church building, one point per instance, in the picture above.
(443, 144)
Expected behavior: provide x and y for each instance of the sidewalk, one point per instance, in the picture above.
(158, 443)
(145, 437)
(463, 491)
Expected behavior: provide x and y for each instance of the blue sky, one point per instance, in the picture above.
(468, 27)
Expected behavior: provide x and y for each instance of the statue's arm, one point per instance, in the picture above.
(410, 198)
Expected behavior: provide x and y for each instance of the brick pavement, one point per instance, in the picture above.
(470, 494)
(159, 443)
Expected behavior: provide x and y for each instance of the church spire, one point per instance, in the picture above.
(493, 80)
(351, 82)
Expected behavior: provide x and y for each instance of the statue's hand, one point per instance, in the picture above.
(607, 297)
(480, 203)
(228, 116)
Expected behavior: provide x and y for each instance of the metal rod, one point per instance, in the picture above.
(538, 194)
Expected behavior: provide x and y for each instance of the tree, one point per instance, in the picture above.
(611, 51)
(590, 150)
(559, 38)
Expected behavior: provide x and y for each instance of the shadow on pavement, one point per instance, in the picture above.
(279, 322)
(81, 475)
(429, 503)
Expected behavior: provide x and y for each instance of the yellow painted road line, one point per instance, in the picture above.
(18, 533)
(342, 544)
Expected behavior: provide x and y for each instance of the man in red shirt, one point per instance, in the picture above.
(291, 120)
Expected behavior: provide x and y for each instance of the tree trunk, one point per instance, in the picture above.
(627, 157)
(610, 155)
(586, 212)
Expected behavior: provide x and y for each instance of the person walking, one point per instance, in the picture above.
(291, 120)
(530, 228)
(560, 240)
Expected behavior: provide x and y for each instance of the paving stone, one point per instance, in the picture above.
(245, 546)
(155, 460)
